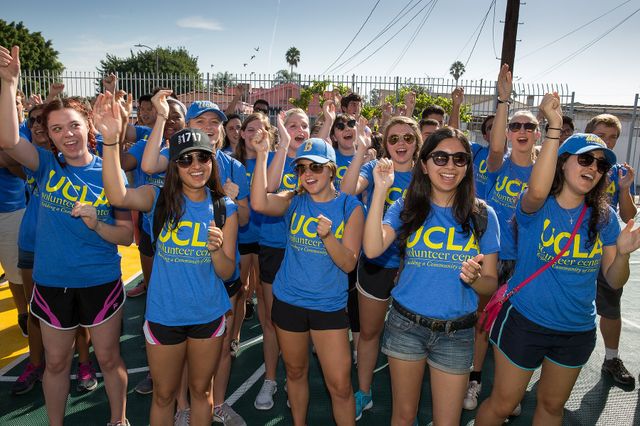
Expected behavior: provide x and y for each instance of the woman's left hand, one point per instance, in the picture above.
(215, 237)
(629, 239)
(231, 189)
(471, 269)
(107, 117)
(87, 213)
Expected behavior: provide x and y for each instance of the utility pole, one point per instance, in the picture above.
(510, 33)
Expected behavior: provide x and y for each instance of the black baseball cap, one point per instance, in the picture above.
(187, 140)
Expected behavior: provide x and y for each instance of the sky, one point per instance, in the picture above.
(596, 56)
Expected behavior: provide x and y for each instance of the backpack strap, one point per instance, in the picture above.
(480, 220)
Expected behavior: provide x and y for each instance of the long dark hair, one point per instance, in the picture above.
(596, 199)
(170, 204)
(417, 203)
(78, 105)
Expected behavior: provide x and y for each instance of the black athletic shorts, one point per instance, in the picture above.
(269, 259)
(374, 281)
(158, 334)
(293, 318)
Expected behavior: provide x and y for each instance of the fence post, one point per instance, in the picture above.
(397, 88)
(632, 127)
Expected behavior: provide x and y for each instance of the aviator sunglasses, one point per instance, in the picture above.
(585, 160)
(341, 125)
(529, 127)
(186, 160)
(407, 137)
(314, 167)
(441, 158)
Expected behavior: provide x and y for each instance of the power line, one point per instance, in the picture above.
(573, 31)
(390, 38)
(354, 37)
(413, 37)
(486, 15)
(387, 27)
(583, 48)
(470, 38)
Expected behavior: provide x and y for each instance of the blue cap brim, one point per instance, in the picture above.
(314, 158)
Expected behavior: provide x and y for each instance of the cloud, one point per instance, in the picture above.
(199, 23)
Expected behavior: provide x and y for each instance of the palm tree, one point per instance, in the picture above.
(292, 57)
(456, 70)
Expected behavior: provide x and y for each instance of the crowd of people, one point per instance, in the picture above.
(354, 238)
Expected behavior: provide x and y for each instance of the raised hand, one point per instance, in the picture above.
(387, 111)
(629, 239)
(551, 109)
(457, 96)
(55, 89)
(626, 176)
(231, 189)
(337, 97)
(402, 110)
(505, 83)
(260, 141)
(34, 100)
(329, 110)
(383, 174)
(159, 102)
(324, 227)
(471, 269)
(125, 102)
(87, 213)
(410, 101)
(283, 135)
(109, 83)
(363, 140)
(10, 64)
(215, 237)
(107, 117)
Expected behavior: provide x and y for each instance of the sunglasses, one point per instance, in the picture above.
(585, 160)
(315, 168)
(186, 160)
(35, 119)
(407, 137)
(441, 158)
(341, 125)
(529, 127)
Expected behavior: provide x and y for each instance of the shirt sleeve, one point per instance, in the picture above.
(392, 216)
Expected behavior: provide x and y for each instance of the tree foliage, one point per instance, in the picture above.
(424, 99)
(36, 53)
(170, 63)
(456, 70)
(284, 76)
(292, 57)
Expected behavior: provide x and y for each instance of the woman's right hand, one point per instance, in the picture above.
(283, 136)
(10, 64)
(107, 117)
(505, 83)
(550, 107)
(159, 102)
(383, 174)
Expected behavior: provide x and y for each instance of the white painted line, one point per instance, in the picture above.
(631, 323)
(251, 342)
(73, 376)
(382, 367)
(246, 386)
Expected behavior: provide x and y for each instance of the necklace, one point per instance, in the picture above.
(571, 217)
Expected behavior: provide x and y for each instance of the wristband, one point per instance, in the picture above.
(500, 101)
(110, 144)
(554, 128)
(549, 137)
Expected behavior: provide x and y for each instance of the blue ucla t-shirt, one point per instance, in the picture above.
(142, 178)
(342, 164)
(613, 185)
(504, 187)
(142, 132)
(391, 257)
(480, 154)
(184, 288)
(273, 231)
(563, 296)
(27, 232)
(250, 233)
(429, 283)
(308, 277)
(12, 196)
(67, 252)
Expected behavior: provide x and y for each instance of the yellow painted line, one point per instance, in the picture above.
(13, 343)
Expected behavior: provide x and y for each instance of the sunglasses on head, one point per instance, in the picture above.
(341, 125)
(441, 158)
(314, 167)
(529, 127)
(407, 137)
(185, 160)
(585, 160)
(35, 119)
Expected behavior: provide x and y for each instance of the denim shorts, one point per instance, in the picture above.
(449, 352)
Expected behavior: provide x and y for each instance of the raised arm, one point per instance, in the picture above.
(152, 161)
(457, 97)
(233, 105)
(628, 209)
(344, 253)
(498, 132)
(108, 122)
(276, 168)
(544, 169)
(378, 237)
(329, 113)
(261, 200)
(615, 259)
(10, 141)
(352, 182)
(410, 103)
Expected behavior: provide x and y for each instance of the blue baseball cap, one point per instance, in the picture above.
(579, 143)
(316, 150)
(198, 108)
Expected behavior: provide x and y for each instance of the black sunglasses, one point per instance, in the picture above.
(407, 137)
(185, 160)
(314, 167)
(341, 125)
(262, 110)
(35, 119)
(441, 158)
(529, 127)
(585, 160)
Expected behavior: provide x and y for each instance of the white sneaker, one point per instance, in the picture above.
(227, 416)
(264, 400)
(517, 410)
(182, 417)
(471, 398)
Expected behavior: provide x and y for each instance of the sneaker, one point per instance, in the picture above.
(27, 379)
(227, 416)
(145, 386)
(248, 313)
(23, 320)
(86, 377)
(264, 400)
(364, 401)
(471, 398)
(182, 417)
(235, 348)
(516, 411)
(618, 372)
(120, 423)
(138, 290)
